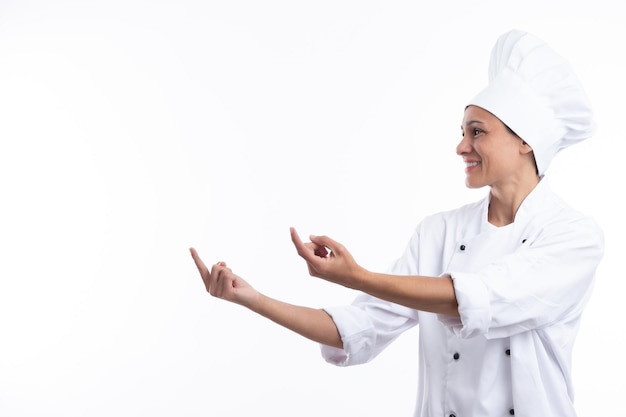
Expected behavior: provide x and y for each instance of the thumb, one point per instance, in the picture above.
(326, 242)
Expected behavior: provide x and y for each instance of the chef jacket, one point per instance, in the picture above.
(520, 288)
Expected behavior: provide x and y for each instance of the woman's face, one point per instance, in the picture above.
(493, 155)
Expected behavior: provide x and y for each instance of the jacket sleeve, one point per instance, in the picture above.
(542, 283)
(370, 324)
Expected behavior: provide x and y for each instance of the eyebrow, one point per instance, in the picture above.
(472, 122)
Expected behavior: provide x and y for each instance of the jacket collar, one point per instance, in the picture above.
(534, 202)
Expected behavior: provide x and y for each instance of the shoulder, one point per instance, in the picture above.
(555, 210)
(555, 218)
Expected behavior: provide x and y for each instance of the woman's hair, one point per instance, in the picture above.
(510, 130)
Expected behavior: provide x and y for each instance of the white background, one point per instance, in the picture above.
(132, 130)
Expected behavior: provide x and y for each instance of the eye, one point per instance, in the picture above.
(477, 131)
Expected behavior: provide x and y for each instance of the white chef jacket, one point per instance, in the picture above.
(521, 290)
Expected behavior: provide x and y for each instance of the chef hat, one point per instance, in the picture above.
(535, 92)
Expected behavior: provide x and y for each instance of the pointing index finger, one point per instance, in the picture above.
(196, 258)
(295, 238)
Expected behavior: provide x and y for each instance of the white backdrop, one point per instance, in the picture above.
(132, 130)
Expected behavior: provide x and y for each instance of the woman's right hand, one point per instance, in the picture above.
(221, 282)
(314, 324)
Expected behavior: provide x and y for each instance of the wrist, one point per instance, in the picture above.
(359, 278)
(256, 302)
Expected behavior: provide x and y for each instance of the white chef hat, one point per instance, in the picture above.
(535, 92)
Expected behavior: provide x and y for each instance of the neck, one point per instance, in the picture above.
(506, 200)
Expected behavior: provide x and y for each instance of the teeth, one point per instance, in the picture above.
(472, 164)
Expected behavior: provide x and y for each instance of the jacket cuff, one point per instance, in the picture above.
(473, 299)
(355, 330)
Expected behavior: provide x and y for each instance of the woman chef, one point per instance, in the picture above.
(498, 286)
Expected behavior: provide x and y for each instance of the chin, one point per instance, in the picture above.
(473, 184)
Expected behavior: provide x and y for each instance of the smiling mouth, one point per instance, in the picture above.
(472, 164)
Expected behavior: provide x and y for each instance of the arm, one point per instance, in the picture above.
(314, 324)
(432, 294)
(331, 261)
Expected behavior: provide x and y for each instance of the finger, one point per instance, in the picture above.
(326, 242)
(223, 283)
(199, 264)
(295, 238)
(215, 282)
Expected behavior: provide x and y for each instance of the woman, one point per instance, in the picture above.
(497, 286)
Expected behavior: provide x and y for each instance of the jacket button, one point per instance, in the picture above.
(452, 415)
(456, 356)
(512, 412)
(523, 241)
(508, 352)
(462, 247)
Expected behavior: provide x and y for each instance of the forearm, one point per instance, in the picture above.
(331, 261)
(432, 294)
(314, 324)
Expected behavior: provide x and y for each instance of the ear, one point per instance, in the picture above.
(524, 147)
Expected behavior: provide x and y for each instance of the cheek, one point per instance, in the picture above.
(503, 158)
(481, 150)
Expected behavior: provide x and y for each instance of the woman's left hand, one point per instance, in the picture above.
(328, 260)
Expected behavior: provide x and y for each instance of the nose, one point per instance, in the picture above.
(464, 146)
